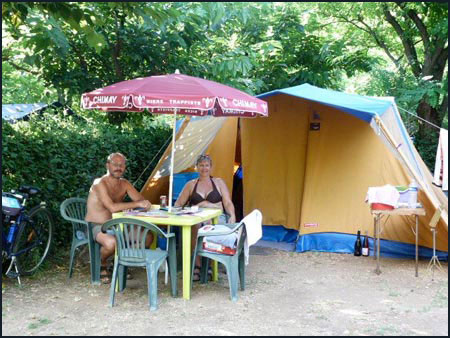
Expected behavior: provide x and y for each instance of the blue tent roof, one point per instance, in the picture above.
(12, 112)
(363, 107)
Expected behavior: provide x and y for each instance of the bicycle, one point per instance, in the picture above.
(26, 235)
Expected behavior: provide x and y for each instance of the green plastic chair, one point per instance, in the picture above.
(235, 265)
(74, 210)
(130, 251)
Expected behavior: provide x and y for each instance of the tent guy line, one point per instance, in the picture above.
(420, 118)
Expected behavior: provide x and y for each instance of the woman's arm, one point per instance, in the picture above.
(185, 194)
(226, 199)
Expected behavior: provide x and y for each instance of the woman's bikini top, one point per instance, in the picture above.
(213, 197)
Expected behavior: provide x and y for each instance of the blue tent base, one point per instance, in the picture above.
(283, 246)
(344, 243)
(278, 233)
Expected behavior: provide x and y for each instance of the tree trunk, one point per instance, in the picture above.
(427, 137)
(427, 112)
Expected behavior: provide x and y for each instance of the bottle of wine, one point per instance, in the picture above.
(358, 246)
(365, 247)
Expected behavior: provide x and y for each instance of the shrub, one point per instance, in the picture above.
(62, 156)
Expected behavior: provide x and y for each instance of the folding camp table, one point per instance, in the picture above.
(378, 215)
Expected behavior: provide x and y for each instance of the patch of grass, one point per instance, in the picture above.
(440, 300)
(386, 330)
(33, 326)
(39, 323)
(425, 309)
(394, 294)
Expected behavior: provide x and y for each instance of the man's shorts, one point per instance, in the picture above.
(97, 228)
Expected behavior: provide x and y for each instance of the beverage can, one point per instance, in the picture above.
(163, 201)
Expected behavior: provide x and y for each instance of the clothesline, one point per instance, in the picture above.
(432, 124)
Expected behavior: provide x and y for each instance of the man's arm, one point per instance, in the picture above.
(113, 207)
(133, 193)
(136, 196)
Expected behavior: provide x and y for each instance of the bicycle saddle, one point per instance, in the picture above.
(30, 190)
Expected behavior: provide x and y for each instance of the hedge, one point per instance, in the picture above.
(62, 156)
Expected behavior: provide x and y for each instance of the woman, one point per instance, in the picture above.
(206, 192)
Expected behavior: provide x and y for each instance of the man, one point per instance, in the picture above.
(106, 197)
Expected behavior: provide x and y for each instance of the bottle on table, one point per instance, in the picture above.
(358, 245)
(365, 246)
(163, 201)
(412, 194)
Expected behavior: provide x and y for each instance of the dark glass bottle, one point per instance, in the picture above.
(365, 247)
(358, 245)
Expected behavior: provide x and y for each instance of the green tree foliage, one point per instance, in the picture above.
(414, 38)
(62, 156)
(89, 45)
(23, 87)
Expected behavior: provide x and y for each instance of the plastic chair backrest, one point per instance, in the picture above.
(131, 235)
(74, 210)
(241, 235)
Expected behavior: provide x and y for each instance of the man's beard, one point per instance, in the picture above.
(117, 174)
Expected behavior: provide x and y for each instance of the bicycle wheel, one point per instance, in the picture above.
(33, 240)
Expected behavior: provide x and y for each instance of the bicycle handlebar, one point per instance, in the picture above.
(25, 191)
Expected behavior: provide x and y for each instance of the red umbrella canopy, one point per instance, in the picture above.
(164, 93)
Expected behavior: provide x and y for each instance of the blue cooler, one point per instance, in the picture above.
(179, 181)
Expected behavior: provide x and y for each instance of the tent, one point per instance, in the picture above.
(13, 112)
(308, 167)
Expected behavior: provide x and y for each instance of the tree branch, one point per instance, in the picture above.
(407, 43)
(441, 60)
(419, 24)
(444, 105)
(116, 49)
(18, 67)
(366, 28)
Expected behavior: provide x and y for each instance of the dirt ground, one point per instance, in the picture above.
(286, 294)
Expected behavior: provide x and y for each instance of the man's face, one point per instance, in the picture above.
(116, 166)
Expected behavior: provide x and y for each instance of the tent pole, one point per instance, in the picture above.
(146, 187)
(413, 172)
(172, 160)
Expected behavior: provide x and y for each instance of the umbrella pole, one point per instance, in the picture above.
(172, 160)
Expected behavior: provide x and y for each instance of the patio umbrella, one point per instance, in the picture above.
(175, 94)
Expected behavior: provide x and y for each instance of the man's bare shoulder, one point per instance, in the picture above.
(124, 181)
(98, 182)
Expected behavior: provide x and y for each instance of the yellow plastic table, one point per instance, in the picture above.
(185, 222)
